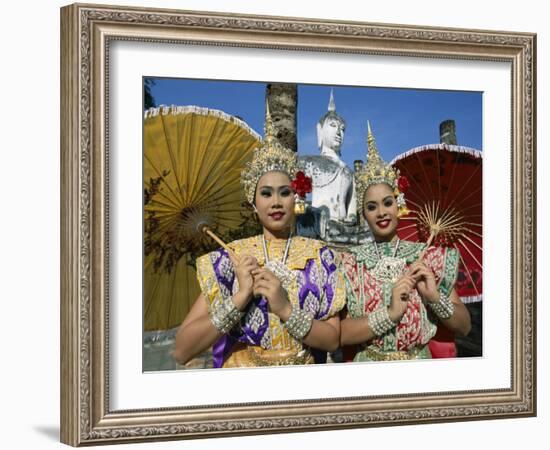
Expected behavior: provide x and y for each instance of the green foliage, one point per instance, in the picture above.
(148, 99)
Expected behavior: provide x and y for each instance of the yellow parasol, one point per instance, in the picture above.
(193, 157)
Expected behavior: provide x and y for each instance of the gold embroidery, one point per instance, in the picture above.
(339, 299)
(301, 251)
(375, 354)
(207, 281)
(253, 356)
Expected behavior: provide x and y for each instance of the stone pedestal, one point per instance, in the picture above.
(316, 224)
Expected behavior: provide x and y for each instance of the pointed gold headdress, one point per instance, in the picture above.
(377, 171)
(271, 156)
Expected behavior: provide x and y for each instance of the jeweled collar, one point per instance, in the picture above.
(366, 253)
(301, 250)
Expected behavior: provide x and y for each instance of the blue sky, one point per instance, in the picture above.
(400, 118)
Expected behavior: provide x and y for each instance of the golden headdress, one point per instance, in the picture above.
(271, 156)
(377, 171)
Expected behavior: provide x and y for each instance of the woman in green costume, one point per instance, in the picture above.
(397, 291)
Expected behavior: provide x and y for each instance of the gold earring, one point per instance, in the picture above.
(299, 205)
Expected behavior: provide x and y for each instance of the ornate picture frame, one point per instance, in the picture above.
(87, 413)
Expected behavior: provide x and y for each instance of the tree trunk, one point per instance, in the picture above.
(283, 101)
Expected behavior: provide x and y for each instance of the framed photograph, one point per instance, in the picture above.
(111, 392)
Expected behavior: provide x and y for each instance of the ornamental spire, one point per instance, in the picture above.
(373, 156)
(331, 104)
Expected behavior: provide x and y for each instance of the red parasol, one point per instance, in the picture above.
(446, 186)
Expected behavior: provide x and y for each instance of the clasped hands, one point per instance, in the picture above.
(258, 281)
(418, 276)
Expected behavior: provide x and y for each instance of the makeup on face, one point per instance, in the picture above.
(380, 211)
(275, 202)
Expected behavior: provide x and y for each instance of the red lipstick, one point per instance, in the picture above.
(277, 215)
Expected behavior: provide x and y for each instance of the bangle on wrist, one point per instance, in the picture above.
(299, 323)
(379, 321)
(225, 316)
(444, 308)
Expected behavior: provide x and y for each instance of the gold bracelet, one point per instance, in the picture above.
(444, 308)
(379, 321)
(299, 323)
(225, 316)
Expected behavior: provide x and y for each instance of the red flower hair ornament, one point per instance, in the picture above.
(403, 184)
(301, 185)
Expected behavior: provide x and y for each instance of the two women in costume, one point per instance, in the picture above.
(274, 298)
(397, 291)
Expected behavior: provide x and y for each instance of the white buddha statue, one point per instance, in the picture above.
(333, 188)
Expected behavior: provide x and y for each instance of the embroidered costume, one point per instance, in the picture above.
(260, 337)
(370, 272)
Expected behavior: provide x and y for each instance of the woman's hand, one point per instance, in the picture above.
(244, 267)
(425, 281)
(400, 296)
(269, 286)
